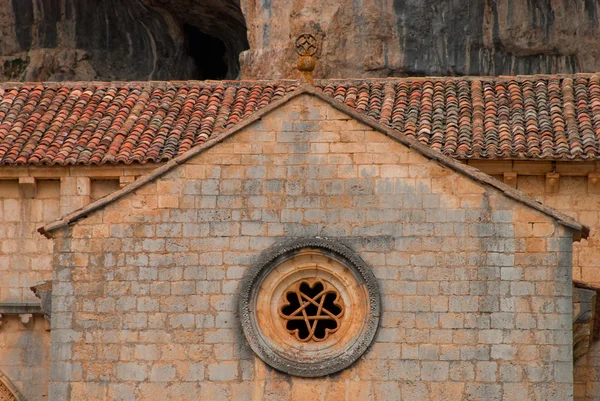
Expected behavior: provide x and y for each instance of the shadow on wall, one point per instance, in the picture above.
(586, 379)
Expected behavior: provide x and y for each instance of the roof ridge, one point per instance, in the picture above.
(455, 165)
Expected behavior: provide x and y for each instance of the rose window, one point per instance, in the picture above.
(312, 311)
(309, 307)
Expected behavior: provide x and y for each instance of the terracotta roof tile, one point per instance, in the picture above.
(97, 123)
(526, 117)
(535, 117)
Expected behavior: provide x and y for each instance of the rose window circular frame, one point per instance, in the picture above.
(309, 307)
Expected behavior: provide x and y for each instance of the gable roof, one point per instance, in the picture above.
(526, 117)
(581, 230)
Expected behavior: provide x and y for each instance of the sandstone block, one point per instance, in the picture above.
(434, 371)
(162, 373)
(223, 371)
(132, 371)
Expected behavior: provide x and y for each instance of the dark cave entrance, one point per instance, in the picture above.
(209, 54)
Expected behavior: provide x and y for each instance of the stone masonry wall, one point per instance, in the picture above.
(25, 355)
(25, 260)
(587, 375)
(476, 288)
(575, 199)
(26, 256)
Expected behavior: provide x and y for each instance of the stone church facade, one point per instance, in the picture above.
(465, 313)
(473, 279)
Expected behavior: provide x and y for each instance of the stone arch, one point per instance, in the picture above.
(8, 392)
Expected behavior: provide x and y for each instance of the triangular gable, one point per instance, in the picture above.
(581, 231)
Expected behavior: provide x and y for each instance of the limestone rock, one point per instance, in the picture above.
(171, 39)
(82, 40)
(48, 65)
(368, 38)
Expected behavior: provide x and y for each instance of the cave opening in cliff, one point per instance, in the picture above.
(209, 54)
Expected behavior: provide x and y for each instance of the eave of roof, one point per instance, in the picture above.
(581, 231)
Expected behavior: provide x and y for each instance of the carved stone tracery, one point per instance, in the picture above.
(309, 307)
(312, 310)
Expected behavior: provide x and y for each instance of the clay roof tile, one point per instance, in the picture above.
(534, 117)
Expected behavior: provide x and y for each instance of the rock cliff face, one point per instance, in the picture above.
(194, 39)
(362, 38)
(111, 40)
(83, 39)
(222, 20)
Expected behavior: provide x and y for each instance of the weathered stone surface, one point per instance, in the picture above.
(47, 65)
(43, 291)
(84, 40)
(24, 357)
(449, 319)
(221, 19)
(411, 37)
(151, 39)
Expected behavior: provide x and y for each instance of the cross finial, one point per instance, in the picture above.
(306, 47)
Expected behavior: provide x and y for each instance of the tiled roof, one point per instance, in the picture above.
(96, 123)
(491, 118)
(538, 117)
